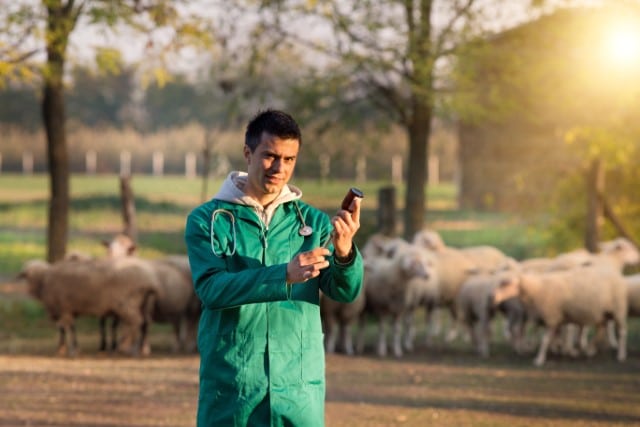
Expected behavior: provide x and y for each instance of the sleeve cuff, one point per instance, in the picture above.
(346, 260)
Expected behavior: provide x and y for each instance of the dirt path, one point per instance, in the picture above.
(440, 390)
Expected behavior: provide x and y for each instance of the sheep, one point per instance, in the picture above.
(587, 295)
(452, 266)
(76, 255)
(69, 289)
(338, 319)
(389, 291)
(475, 309)
(178, 304)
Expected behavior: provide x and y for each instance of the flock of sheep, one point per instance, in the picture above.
(131, 291)
(568, 295)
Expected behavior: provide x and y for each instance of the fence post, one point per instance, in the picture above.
(125, 163)
(27, 163)
(91, 162)
(434, 170)
(361, 169)
(158, 163)
(325, 166)
(396, 169)
(190, 165)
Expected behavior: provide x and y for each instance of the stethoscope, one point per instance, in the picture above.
(304, 230)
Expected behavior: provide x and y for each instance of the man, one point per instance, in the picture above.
(258, 264)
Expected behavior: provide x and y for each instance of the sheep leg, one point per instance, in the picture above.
(397, 335)
(453, 333)
(621, 327)
(345, 338)
(360, 335)
(176, 334)
(62, 341)
(74, 340)
(114, 334)
(590, 347)
(409, 330)
(611, 334)
(135, 323)
(103, 334)
(330, 334)
(517, 330)
(435, 324)
(484, 335)
(432, 319)
(569, 339)
(548, 336)
(144, 317)
(382, 336)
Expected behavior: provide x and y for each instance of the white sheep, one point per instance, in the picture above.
(390, 293)
(587, 295)
(339, 318)
(618, 254)
(452, 266)
(475, 308)
(69, 289)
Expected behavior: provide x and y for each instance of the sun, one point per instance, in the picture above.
(623, 45)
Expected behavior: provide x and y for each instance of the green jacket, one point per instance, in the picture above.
(260, 340)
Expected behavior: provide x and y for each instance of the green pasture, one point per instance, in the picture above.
(162, 204)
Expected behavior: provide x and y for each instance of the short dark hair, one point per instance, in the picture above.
(274, 122)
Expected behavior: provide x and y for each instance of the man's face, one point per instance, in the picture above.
(270, 167)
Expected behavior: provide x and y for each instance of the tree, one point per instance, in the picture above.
(395, 53)
(99, 99)
(48, 26)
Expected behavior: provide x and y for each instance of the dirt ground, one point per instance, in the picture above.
(108, 391)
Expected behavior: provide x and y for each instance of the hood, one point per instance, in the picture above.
(232, 191)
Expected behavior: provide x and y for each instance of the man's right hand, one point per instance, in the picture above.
(307, 265)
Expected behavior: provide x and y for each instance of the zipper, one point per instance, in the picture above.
(263, 229)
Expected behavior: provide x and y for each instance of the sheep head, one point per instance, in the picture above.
(508, 287)
(622, 249)
(417, 263)
(120, 246)
(33, 272)
(429, 239)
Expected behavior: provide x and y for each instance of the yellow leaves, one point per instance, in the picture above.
(109, 60)
(194, 34)
(614, 145)
(158, 75)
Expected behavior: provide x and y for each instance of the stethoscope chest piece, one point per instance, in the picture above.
(305, 231)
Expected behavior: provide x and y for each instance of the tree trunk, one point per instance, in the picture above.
(595, 187)
(128, 208)
(206, 167)
(387, 211)
(418, 118)
(59, 25)
(415, 200)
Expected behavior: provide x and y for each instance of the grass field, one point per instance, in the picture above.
(444, 384)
